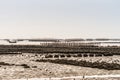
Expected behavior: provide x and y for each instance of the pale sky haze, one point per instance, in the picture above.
(59, 19)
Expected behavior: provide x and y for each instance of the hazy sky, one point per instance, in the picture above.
(59, 18)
